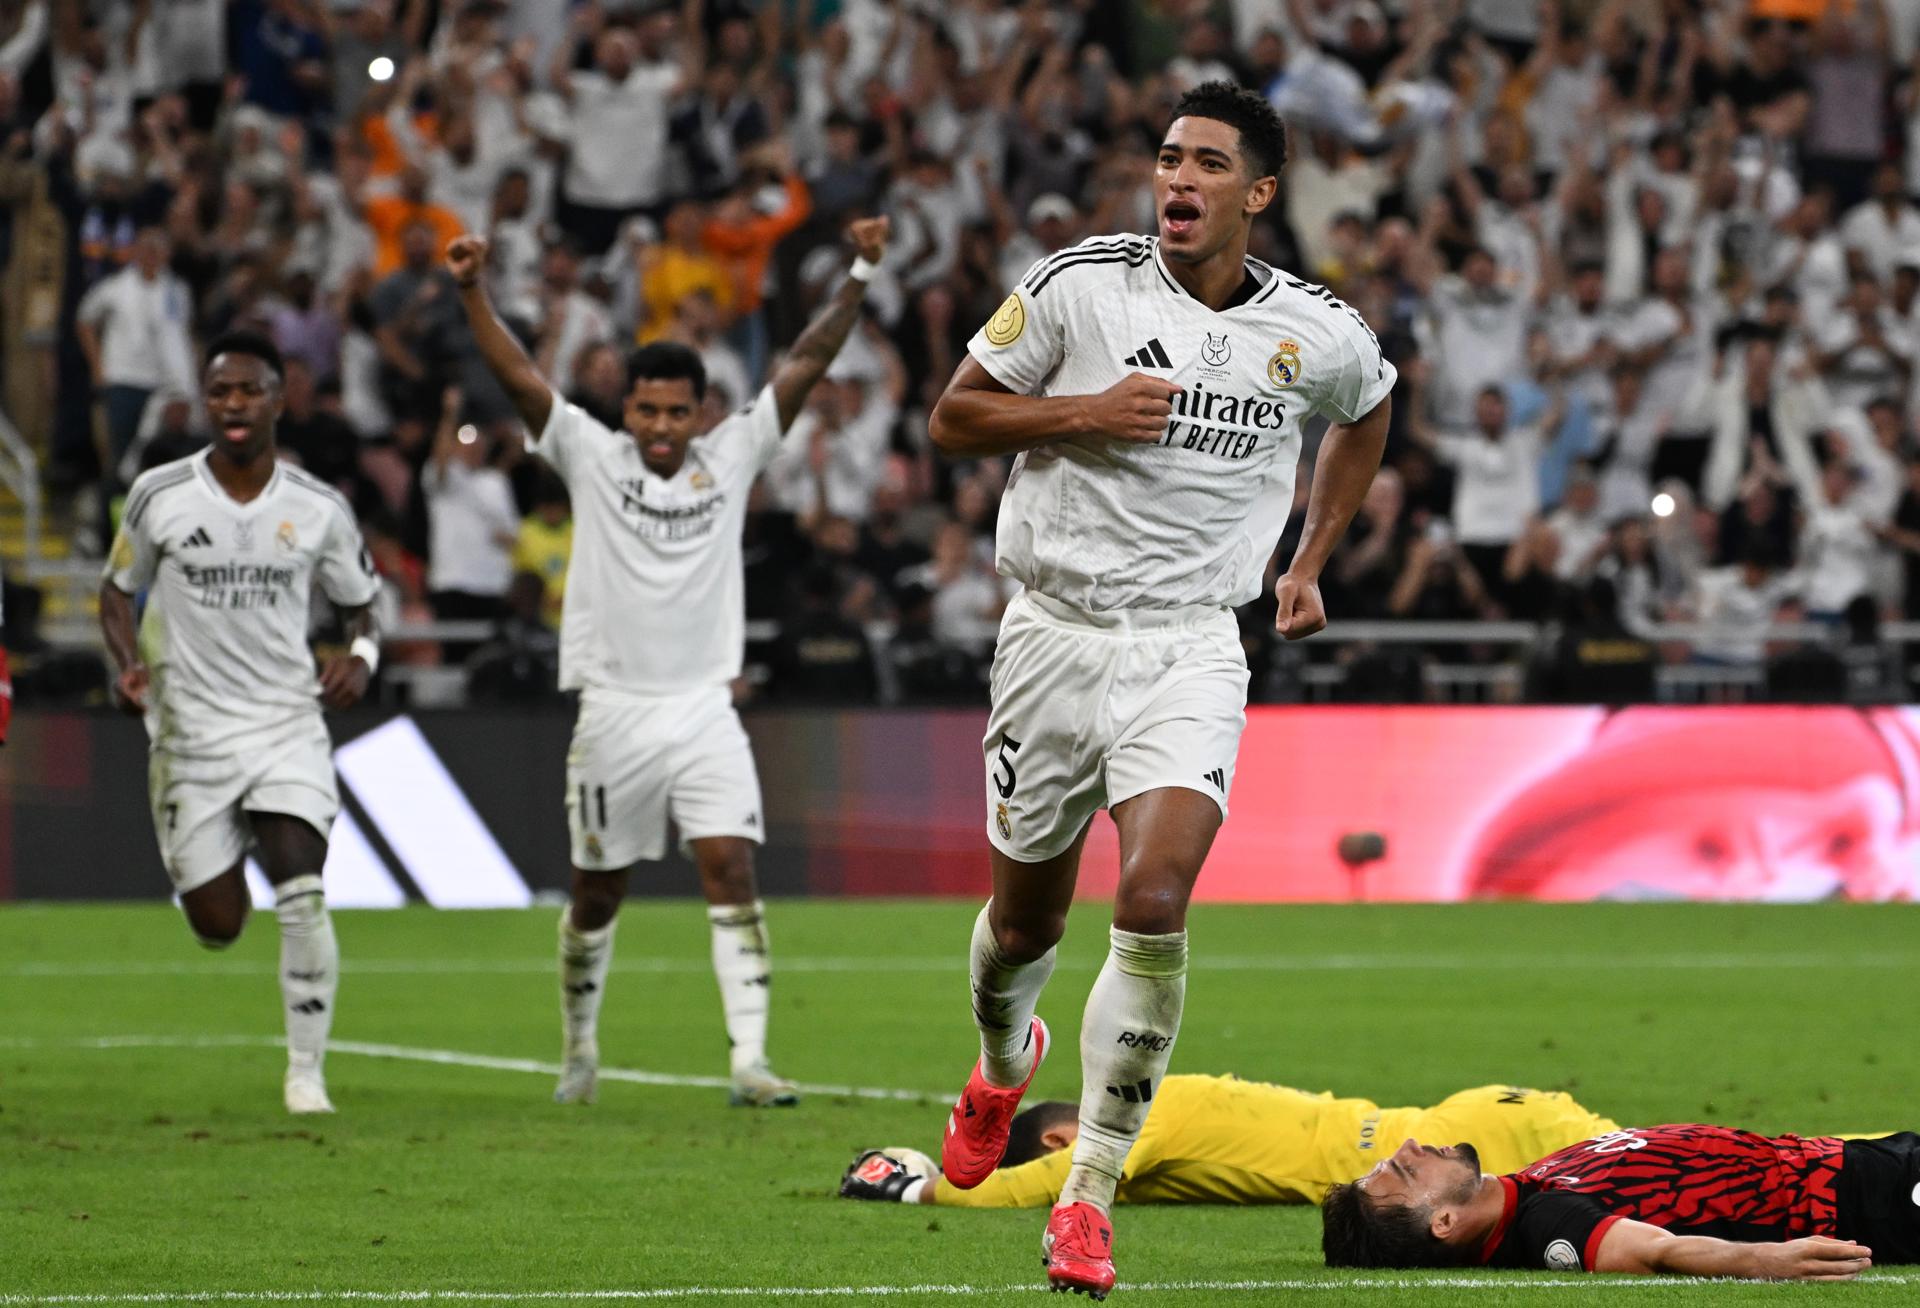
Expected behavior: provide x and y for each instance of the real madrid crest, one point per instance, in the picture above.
(1283, 369)
(1008, 321)
(1002, 821)
(700, 481)
(285, 538)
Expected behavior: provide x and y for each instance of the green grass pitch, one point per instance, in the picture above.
(146, 1167)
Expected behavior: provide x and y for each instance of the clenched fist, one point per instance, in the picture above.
(1134, 409)
(466, 260)
(869, 237)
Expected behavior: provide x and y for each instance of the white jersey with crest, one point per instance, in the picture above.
(1104, 524)
(656, 599)
(229, 594)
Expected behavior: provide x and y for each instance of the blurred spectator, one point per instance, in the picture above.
(824, 656)
(1735, 604)
(472, 521)
(617, 125)
(1496, 488)
(522, 661)
(133, 329)
(544, 546)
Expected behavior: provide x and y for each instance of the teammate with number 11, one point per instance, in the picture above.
(652, 635)
(1153, 390)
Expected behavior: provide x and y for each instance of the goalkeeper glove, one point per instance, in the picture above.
(879, 1175)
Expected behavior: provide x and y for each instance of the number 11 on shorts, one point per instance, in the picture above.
(589, 817)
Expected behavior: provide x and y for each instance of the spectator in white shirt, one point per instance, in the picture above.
(1736, 604)
(1579, 527)
(472, 525)
(1496, 476)
(1478, 337)
(1837, 547)
(133, 328)
(1863, 350)
(570, 320)
(618, 130)
(836, 451)
(1879, 231)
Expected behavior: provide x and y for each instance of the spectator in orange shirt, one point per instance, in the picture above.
(389, 217)
(744, 237)
(679, 267)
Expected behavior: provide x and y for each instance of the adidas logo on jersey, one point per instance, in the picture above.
(197, 539)
(1151, 355)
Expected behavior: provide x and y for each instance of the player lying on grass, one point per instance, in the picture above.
(1218, 1139)
(1681, 1200)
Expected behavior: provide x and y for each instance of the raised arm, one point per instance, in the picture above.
(807, 362)
(1641, 1249)
(532, 396)
(1349, 456)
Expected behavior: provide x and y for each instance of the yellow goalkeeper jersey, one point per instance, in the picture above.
(1218, 1139)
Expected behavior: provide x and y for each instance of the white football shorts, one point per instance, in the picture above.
(200, 802)
(1090, 710)
(640, 762)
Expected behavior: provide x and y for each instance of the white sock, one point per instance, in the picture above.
(309, 968)
(741, 964)
(1126, 1040)
(1004, 997)
(584, 958)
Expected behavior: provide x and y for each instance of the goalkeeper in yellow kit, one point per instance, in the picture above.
(1221, 1140)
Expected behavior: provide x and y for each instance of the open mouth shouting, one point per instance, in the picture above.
(235, 431)
(1180, 218)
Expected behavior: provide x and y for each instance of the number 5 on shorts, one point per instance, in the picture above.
(1008, 748)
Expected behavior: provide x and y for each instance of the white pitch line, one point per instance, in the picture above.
(1518, 1281)
(869, 965)
(451, 1058)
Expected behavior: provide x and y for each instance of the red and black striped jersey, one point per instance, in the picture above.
(1691, 1180)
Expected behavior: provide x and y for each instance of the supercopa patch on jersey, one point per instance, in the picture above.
(1283, 369)
(1008, 321)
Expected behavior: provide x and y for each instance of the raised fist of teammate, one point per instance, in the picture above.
(466, 260)
(869, 237)
(1135, 409)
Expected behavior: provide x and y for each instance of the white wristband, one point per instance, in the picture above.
(367, 650)
(863, 269)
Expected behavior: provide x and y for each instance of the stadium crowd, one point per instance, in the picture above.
(1650, 270)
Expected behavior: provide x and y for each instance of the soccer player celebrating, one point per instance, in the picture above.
(1153, 390)
(1684, 1200)
(652, 635)
(229, 545)
(1221, 1140)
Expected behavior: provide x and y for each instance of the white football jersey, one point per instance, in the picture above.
(1103, 524)
(656, 600)
(229, 593)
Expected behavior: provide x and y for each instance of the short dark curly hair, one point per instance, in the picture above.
(1263, 136)
(1355, 1231)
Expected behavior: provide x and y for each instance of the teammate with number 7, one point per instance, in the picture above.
(1153, 390)
(651, 635)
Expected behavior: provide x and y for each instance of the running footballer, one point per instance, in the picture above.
(1153, 390)
(227, 546)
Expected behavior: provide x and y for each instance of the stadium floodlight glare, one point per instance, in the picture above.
(381, 69)
(1663, 505)
(468, 434)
